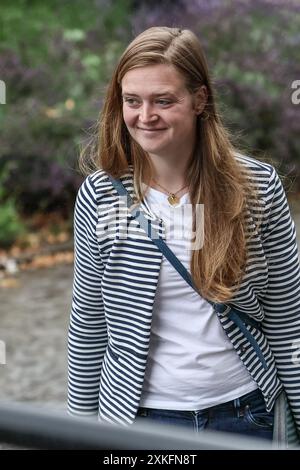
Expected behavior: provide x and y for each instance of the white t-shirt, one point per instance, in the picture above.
(191, 363)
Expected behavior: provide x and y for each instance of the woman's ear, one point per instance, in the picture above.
(200, 99)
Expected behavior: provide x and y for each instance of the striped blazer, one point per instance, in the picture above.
(116, 273)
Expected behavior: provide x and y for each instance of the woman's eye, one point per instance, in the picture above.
(131, 101)
(164, 102)
(136, 102)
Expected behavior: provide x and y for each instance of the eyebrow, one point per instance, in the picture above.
(167, 92)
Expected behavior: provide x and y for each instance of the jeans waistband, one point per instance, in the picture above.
(235, 403)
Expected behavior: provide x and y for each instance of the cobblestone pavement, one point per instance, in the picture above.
(33, 323)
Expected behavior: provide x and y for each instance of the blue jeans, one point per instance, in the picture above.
(245, 415)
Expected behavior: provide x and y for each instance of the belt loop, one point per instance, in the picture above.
(237, 406)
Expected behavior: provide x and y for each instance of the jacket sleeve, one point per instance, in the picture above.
(87, 337)
(281, 302)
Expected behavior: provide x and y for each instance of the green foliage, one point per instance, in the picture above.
(11, 226)
(54, 58)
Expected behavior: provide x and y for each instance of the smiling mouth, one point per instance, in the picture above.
(150, 130)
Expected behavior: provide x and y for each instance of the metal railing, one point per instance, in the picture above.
(39, 427)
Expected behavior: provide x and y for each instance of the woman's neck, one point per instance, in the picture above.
(170, 174)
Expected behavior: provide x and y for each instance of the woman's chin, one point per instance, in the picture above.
(157, 149)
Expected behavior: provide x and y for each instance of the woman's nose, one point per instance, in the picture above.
(147, 114)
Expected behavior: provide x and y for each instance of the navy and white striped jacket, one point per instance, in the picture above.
(115, 278)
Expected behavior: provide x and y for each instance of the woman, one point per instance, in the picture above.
(143, 343)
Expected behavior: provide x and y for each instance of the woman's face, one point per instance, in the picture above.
(158, 110)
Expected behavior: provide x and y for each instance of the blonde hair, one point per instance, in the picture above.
(215, 177)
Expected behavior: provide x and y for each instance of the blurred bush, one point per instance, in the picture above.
(11, 226)
(57, 56)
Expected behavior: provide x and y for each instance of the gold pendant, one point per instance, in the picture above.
(173, 200)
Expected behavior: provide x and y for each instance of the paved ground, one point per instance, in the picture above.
(33, 324)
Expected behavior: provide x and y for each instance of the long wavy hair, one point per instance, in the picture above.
(215, 176)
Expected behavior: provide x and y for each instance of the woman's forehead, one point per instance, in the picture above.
(155, 79)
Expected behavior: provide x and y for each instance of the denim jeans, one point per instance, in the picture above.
(245, 415)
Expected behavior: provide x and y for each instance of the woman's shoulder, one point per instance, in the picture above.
(261, 174)
(255, 167)
(99, 184)
(98, 178)
(264, 177)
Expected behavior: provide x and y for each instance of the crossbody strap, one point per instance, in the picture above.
(240, 319)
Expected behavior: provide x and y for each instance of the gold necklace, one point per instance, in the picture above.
(172, 199)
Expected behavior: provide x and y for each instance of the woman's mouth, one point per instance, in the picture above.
(150, 130)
